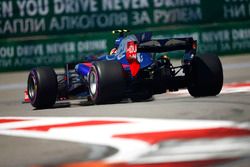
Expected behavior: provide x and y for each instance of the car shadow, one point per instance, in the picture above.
(69, 104)
(124, 101)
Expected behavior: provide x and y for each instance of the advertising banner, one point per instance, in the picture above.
(51, 17)
(57, 50)
(54, 51)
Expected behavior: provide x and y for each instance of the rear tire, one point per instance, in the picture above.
(106, 82)
(206, 78)
(42, 87)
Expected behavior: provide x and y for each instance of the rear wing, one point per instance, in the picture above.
(167, 45)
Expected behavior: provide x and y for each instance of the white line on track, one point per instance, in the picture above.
(12, 86)
(236, 66)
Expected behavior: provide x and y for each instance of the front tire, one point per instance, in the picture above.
(206, 77)
(42, 87)
(106, 82)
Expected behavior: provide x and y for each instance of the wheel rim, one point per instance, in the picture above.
(32, 88)
(93, 83)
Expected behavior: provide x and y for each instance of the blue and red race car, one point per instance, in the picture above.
(137, 68)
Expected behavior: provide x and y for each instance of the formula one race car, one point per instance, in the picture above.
(136, 68)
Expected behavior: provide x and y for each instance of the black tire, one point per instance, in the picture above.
(106, 82)
(42, 87)
(206, 78)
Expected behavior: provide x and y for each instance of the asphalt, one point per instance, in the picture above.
(16, 151)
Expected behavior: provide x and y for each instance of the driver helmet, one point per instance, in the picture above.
(118, 41)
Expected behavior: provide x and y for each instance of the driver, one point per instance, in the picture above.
(118, 40)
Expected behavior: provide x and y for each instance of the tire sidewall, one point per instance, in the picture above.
(93, 71)
(34, 78)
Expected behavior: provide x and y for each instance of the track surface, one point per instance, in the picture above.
(17, 151)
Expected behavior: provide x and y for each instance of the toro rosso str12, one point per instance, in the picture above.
(132, 70)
